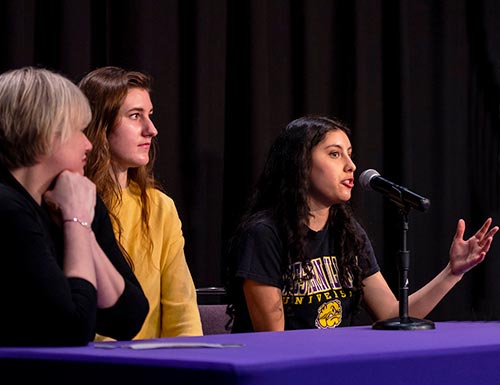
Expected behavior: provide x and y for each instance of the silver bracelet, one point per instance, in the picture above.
(77, 220)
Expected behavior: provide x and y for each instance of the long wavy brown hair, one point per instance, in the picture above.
(106, 88)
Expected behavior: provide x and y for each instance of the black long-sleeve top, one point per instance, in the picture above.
(40, 305)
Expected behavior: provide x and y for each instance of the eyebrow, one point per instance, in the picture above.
(338, 146)
(140, 109)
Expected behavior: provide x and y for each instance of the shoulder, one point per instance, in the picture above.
(263, 230)
(362, 234)
(360, 229)
(260, 223)
(157, 198)
(260, 230)
(9, 195)
(160, 198)
(22, 217)
(12, 202)
(161, 202)
(368, 260)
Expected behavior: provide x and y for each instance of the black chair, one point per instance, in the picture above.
(212, 305)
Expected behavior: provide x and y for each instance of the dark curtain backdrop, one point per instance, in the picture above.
(416, 80)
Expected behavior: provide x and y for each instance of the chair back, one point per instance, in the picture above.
(214, 319)
(212, 305)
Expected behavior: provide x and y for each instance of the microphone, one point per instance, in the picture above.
(371, 180)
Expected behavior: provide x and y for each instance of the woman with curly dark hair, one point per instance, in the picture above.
(299, 259)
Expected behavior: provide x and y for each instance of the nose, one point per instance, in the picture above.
(88, 144)
(350, 166)
(150, 129)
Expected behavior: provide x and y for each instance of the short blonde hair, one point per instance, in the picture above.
(37, 108)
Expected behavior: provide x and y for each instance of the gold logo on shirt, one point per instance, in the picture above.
(329, 315)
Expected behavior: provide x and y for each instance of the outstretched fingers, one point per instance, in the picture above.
(480, 234)
(486, 246)
(492, 232)
(465, 254)
(484, 237)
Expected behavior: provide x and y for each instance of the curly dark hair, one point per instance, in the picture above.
(281, 195)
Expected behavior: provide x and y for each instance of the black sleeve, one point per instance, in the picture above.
(123, 320)
(258, 256)
(40, 305)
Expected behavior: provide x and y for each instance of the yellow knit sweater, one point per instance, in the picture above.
(164, 274)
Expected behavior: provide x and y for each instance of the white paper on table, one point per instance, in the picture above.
(164, 345)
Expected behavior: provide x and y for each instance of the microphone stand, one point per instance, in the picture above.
(403, 322)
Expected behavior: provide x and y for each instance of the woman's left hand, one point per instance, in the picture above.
(465, 254)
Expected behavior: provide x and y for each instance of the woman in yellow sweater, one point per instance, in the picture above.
(145, 219)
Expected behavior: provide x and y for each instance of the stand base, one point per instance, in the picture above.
(408, 323)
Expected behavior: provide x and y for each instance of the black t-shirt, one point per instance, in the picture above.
(319, 302)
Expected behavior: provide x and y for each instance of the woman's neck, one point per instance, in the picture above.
(318, 219)
(121, 177)
(34, 180)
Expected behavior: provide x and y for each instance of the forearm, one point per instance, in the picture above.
(78, 261)
(179, 308)
(423, 301)
(110, 283)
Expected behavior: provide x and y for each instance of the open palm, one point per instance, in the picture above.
(465, 254)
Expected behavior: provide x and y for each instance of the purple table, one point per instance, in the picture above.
(453, 353)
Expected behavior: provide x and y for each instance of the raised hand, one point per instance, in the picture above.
(466, 254)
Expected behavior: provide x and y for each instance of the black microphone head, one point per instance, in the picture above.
(366, 176)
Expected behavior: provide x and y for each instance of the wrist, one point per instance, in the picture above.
(451, 274)
(76, 220)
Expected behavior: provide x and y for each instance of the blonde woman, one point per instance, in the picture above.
(64, 276)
